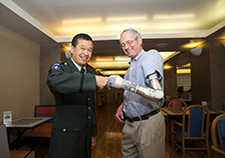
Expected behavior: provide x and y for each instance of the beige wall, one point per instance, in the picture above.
(20, 71)
(49, 55)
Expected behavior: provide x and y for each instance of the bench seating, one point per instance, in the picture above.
(44, 111)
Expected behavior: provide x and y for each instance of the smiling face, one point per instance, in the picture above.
(131, 46)
(82, 53)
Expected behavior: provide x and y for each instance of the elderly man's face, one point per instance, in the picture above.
(131, 46)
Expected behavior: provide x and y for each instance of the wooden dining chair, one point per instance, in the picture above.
(218, 134)
(194, 126)
(170, 98)
(4, 147)
(177, 103)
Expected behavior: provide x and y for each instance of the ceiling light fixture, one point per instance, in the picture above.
(68, 55)
(173, 25)
(114, 72)
(184, 66)
(168, 55)
(122, 58)
(174, 16)
(104, 58)
(108, 65)
(196, 51)
(165, 67)
(192, 45)
(85, 20)
(112, 19)
(183, 71)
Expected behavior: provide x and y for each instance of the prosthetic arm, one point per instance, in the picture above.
(154, 92)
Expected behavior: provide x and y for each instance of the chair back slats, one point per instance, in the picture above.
(196, 123)
(218, 132)
(194, 126)
(221, 127)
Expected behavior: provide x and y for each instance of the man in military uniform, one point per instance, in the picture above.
(74, 128)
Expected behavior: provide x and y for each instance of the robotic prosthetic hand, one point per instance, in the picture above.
(154, 93)
(118, 82)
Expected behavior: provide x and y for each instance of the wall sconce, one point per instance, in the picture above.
(196, 51)
(224, 44)
(68, 55)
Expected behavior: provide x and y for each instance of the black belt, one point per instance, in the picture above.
(142, 117)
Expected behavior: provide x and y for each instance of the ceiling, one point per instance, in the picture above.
(167, 25)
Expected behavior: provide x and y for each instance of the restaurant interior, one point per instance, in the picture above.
(32, 39)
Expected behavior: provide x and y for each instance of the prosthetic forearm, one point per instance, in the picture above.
(154, 92)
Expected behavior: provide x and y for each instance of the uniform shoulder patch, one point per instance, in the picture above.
(56, 65)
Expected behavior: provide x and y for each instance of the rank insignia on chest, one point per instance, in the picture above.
(56, 66)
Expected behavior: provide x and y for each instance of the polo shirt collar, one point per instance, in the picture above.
(137, 57)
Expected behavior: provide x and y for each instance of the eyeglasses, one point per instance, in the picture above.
(129, 42)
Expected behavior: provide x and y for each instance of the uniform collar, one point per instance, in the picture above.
(77, 66)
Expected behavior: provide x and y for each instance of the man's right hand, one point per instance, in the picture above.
(119, 116)
(101, 81)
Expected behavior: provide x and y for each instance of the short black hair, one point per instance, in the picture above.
(81, 36)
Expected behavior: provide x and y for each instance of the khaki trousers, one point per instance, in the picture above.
(144, 139)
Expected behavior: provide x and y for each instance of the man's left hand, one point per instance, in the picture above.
(93, 142)
(116, 81)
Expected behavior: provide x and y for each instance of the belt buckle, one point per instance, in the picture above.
(140, 118)
(131, 119)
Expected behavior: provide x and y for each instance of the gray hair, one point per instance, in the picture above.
(135, 33)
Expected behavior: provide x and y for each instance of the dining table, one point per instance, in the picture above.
(164, 113)
(187, 101)
(221, 111)
(21, 125)
(178, 111)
